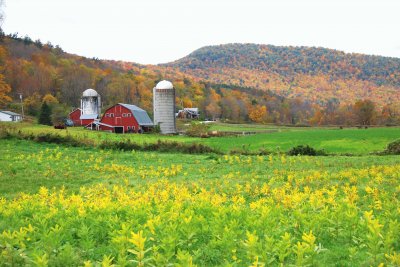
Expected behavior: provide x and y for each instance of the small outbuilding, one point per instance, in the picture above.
(80, 119)
(188, 113)
(124, 118)
(10, 116)
(75, 116)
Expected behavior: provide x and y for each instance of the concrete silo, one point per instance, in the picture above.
(164, 107)
(90, 104)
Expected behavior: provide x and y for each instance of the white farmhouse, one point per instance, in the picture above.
(9, 116)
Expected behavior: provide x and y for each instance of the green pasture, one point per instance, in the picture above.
(25, 166)
(332, 140)
(351, 188)
(278, 139)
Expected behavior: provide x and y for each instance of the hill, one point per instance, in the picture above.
(316, 74)
(237, 83)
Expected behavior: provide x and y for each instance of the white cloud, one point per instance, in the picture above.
(156, 31)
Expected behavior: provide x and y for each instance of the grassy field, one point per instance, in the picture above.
(84, 206)
(63, 206)
(332, 140)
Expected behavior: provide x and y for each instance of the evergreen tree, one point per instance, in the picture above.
(45, 114)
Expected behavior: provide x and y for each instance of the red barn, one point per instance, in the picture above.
(80, 119)
(124, 118)
(75, 116)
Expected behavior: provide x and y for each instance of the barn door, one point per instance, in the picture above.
(118, 121)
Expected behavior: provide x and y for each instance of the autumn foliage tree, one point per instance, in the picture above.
(50, 99)
(5, 88)
(258, 113)
(213, 108)
(364, 111)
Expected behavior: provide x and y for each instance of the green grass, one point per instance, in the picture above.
(280, 139)
(72, 224)
(355, 141)
(26, 166)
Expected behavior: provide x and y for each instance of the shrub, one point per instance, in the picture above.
(58, 139)
(197, 129)
(156, 129)
(393, 148)
(161, 146)
(304, 150)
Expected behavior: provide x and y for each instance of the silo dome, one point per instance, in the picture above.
(164, 85)
(90, 92)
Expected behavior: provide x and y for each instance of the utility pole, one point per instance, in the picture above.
(22, 105)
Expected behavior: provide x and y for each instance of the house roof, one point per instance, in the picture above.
(10, 113)
(88, 116)
(192, 109)
(141, 115)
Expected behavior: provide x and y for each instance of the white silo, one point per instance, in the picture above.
(90, 102)
(164, 107)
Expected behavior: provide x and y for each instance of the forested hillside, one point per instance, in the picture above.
(234, 82)
(315, 74)
(35, 70)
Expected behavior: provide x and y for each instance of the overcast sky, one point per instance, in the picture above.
(159, 31)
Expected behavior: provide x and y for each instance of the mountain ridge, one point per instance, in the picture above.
(296, 71)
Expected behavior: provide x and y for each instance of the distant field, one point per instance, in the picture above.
(332, 140)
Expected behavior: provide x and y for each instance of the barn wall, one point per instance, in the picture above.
(118, 116)
(86, 122)
(75, 117)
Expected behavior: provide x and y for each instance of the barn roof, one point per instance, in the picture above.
(141, 115)
(10, 113)
(88, 116)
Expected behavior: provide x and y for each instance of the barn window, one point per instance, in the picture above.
(128, 114)
(111, 115)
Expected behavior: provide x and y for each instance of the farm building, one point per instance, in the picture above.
(75, 116)
(188, 113)
(90, 108)
(80, 119)
(10, 116)
(123, 118)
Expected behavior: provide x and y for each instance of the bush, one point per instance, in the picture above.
(58, 139)
(393, 148)
(161, 146)
(197, 129)
(304, 150)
